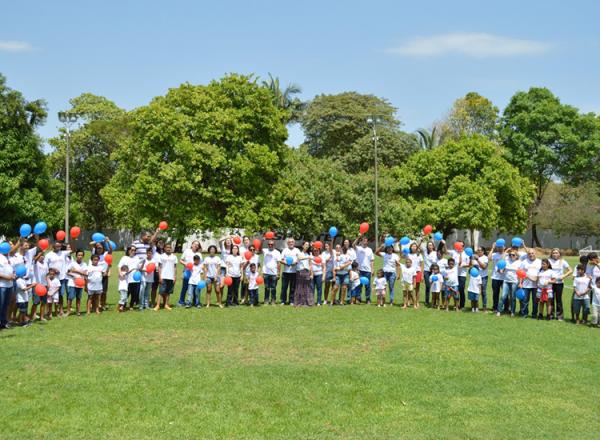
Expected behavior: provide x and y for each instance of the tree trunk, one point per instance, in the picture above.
(535, 241)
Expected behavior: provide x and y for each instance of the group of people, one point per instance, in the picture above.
(34, 284)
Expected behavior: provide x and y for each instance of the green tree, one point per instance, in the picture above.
(201, 157)
(285, 99)
(25, 185)
(103, 128)
(470, 115)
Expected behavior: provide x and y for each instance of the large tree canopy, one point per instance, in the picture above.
(201, 157)
(472, 114)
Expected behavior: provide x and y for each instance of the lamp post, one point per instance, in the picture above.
(373, 123)
(67, 119)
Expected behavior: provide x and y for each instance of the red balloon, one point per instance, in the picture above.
(40, 290)
(163, 226)
(150, 267)
(43, 244)
(237, 240)
(248, 255)
(108, 259)
(318, 260)
(364, 228)
(521, 274)
(269, 235)
(60, 235)
(75, 231)
(427, 229)
(458, 247)
(257, 244)
(79, 282)
(260, 280)
(228, 281)
(189, 266)
(317, 245)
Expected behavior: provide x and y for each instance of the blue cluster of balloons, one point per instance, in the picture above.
(438, 236)
(364, 281)
(20, 270)
(40, 228)
(474, 272)
(389, 241)
(4, 248)
(333, 231)
(289, 260)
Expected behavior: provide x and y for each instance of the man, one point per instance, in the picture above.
(188, 257)
(289, 272)
(531, 265)
(143, 243)
(365, 259)
(463, 262)
(271, 271)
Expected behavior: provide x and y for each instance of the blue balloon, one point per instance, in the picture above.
(500, 242)
(474, 272)
(333, 231)
(438, 236)
(137, 276)
(20, 270)
(201, 284)
(40, 228)
(4, 248)
(364, 281)
(469, 251)
(25, 230)
(434, 278)
(517, 242)
(406, 251)
(187, 274)
(520, 294)
(389, 240)
(113, 245)
(404, 241)
(98, 237)
(289, 260)
(501, 264)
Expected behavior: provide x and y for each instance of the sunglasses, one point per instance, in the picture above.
(512, 255)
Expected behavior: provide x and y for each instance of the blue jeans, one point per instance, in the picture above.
(253, 294)
(318, 287)
(288, 280)
(5, 293)
(530, 296)
(192, 297)
(64, 289)
(145, 290)
(270, 288)
(508, 290)
(75, 293)
(184, 288)
(390, 277)
(484, 283)
(366, 274)
(426, 275)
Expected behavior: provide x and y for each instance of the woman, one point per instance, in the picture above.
(341, 267)
(391, 268)
(328, 257)
(480, 261)
(134, 264)
(159, 249)
(303, 296)
(414, 254)
(351, 251)
(212, 270)
(318, 270)
(254, 259)
(511, 282)
(559, 266)
(226, 245)
(430, 256)
(495, 256)
(233, 267)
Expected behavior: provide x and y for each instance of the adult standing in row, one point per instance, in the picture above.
(328, 257)
(463, 262)
(414, 254)
(234, 266)
(532, 266)
(303, 295)
(561, 271)
(430, 256)
(481, 261)
(495, 256)
(391, 268)
(187, 257)
(289, 257)
(365, 259)
(271, 271)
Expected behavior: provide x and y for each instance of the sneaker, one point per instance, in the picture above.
(368, 302)
(497, 313)
(292, 304)
(187, 306)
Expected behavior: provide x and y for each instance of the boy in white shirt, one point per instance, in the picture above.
(596, 303)
(582, 285)
(53, 295)
(409, 274)
(451, 285)
(380, 286)
(23, 293)
(167, 275)
(147, 278)
(474, 289)
(94, 285)
(271, 271)
(435, 285)
(251, 276)
(193, 293)
(76, 270)
(123, 286)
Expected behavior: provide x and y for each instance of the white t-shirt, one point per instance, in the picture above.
(7, 270)
(53, 288)
(122, 283)
(429, 259)
(462, 262)
(328, 260)
(510, 273)
(168, 263)
(188, 256)
(212, 265)
(380, 283)
(95, 277)
(364, 257)
(74, 265)
(442, 264)
(390, 262)
(58, 261)
(270, 260)
(351, 254)
(596, 296)
(22, 292)
(303, 264)
(252, 285)
(341, 260)
(436, 286)
(595, 274)
(149, 277)
(196, 275)
(417, 260)
(225, 252)
(475, 284)
(354, 279)
(133, 264)
(256, 260)
(40, 273)
(532, 268)
(451, 276)
(233, 265)
(559, 267)
(477, 261)
(581, 285)
(545, 278)
(318, 268)
(496, 257)
(294, 253)
(408, 273)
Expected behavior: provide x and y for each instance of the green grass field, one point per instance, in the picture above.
(284, 373)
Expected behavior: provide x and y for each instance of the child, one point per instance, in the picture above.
(40, 275)
(545, 279)
(380, 287)
(147, 279)
(451, 285)
(53, 294)
(94, 287)
(435, 285)
(474, 289)
(123, 284)
(582, 285)
(212, 265)
(596, 304)
(23, 293)
(193, 293)
(252, 285)
(355, 289)
(77, 269)
(409, 273)
(167, 275)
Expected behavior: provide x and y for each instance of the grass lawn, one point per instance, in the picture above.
(277, 372)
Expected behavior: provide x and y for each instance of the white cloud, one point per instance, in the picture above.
(478, 45)
(15, 46)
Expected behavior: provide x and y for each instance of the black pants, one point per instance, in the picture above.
(557, 309)
(496, 289)
(288, 280)
(133, 290)
(461, 290)
(426, 275)
(233, 292)
(270, 288)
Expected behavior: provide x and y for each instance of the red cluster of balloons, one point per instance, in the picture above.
(108, 259)
(74, 232)
(521, 274)
(163, 226)
(40, 290)
(79, 282)
(150, 267)
(269, 235)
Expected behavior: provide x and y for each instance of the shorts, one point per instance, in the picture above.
(213, 280)
(342, 279)
(94, 292)
(473, 296)
(419, 277)
(166, 288)
(329, 277)
(52, 298)
(380, 292)
(452, 293)
(22, 306)
(43, 299)
(581, 305)
(544, 298)
(356, 291)
(408, 286)
(75, 292)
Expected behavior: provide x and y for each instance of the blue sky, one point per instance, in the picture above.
(419, 55)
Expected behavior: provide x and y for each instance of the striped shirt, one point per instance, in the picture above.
(140, 248)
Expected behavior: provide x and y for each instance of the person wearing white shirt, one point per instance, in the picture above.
(481, 261)
(318, 270)
(77, 270)
(167, 276)
(391, 267)
(187, 257)
(341, 269)
(351, 251)
(289, 259)
(271, 271)
(193, 293)
(596, 303)
(246, 267)
(365, 259)
(303, 295)
(582, 286)
(59, 259)
(430, 256)
(463, 262)
(7, 277)
(212, 267)
(415, 256)
(95, 273)
(531, 265)
(252, 275)
(561, 270)
(328, 257)
(497, 254)
(409, 277)
(152, 258)
(511, 282)
(234, 265)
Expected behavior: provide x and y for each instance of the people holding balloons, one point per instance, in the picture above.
(511, 281)
(289, 258)
(365, 259)
(193, 296)
(187, 258)
(167, 275)
(496, 256)
(271, 271)
(76, 273)
(233, 275)
(149, 269)
(391, 265)
(480, 260)
(531, 264)
(545, 280)
(212, 271)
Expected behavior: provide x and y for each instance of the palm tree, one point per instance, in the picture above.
(429, 140)
(284, 99)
